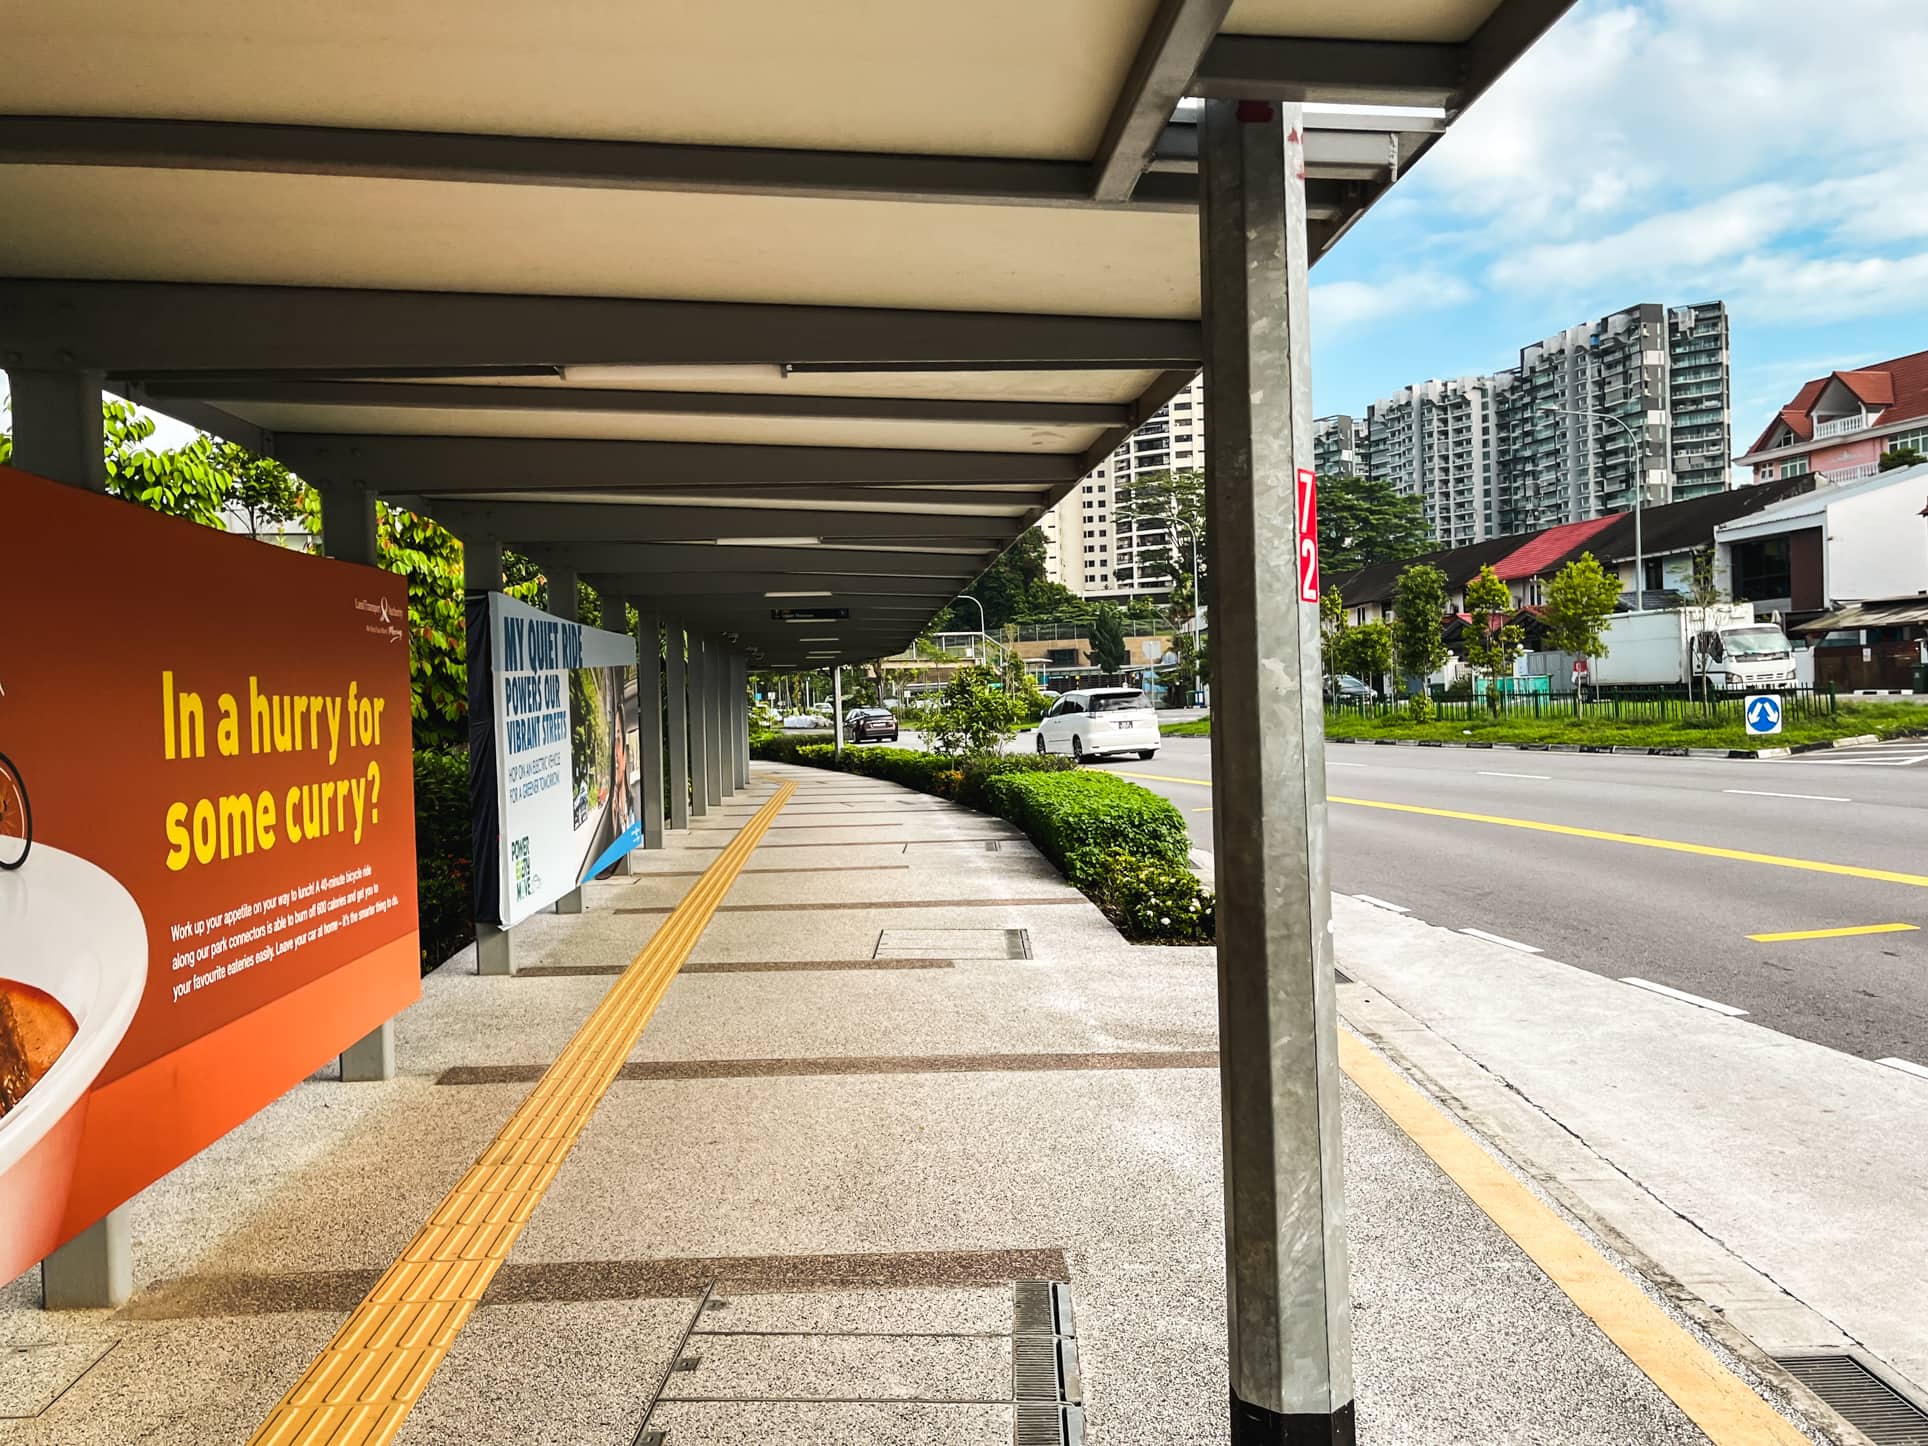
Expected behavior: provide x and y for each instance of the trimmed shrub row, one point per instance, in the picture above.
(1124, 846)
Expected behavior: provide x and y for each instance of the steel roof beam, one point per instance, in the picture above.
(615, 522)
(142, 329)
(782, 568)
(196, 145)
(1364, 72)
(445, 396)
(427, 465)
(1175, 40)
(839, 588)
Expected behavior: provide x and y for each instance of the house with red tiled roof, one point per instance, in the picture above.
(1545, 552)
(1838, 425)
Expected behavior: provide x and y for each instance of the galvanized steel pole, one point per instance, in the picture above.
(1288, 1306)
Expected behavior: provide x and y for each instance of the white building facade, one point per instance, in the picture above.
(1087, 548)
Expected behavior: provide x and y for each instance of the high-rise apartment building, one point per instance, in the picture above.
(1636, 400)
(1341, 447)
(1438, 441)
(1087, 547)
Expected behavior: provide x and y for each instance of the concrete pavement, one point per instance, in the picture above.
(903, 1067)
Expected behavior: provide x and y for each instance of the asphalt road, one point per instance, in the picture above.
(1631, 908)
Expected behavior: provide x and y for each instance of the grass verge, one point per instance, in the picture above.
(1852, 720)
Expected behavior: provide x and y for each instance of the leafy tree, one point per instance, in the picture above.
(1704, 592)
(1492, 643)
(1363, 520)
(1332, 632)
(1900, 457)
(1108, 639)
(1161, 497)
(1004, 587)
(1419, 610)
(259, 490)
(1579, 600)
(972, 717)
(1366, 652)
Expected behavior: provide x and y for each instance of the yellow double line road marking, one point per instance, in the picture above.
(1713, 1397)
(1844, 933)
(361, 1387)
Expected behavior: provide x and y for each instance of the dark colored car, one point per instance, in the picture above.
(870, 725)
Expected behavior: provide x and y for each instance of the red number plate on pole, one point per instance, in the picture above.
(1308, 535)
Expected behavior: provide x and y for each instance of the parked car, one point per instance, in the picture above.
(1347, 689)
(805, 721)
(869, 725)
(1093, 722)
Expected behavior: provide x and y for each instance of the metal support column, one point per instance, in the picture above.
(699, 727)
(58, 435)
(740, 726)
(1288, 1307)
(836, 708)
(348, 532)
(722, 775)
(565, 601)
(649, 726)
(482, 572)
(677, 694)
(57, 429)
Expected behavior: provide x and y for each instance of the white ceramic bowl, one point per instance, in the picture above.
(69, 928)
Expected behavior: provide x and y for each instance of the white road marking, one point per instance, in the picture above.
(1769, 793)
(1501, 939)
(1493, 773)
(1906, 1066)
(1382, 904)
(1684, 997)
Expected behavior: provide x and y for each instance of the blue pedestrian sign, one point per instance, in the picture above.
(1763, 714)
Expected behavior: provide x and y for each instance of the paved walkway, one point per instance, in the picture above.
(904, 1069)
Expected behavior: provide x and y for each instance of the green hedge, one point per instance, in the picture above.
(1124, 846)
(443, 840)
(1080, 818)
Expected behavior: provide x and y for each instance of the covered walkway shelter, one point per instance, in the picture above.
(778, 321)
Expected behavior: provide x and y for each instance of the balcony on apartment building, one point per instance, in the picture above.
(1841, 426)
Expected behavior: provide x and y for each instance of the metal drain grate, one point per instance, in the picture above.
(1036, 1423)
(1861, 1395)
(994, 846)
(1047, 1386)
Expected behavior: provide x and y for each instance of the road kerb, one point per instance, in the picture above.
(1724, 1407)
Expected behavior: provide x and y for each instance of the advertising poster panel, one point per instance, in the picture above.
(547, 730)
(207, 841)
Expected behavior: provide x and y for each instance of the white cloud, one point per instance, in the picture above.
(1753, 150)
(1354, 303)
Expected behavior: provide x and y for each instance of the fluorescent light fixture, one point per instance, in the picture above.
(820, 640)
(768, 541)
(670, 376)
(797, 594)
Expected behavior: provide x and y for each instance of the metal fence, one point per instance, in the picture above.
(1631, 705)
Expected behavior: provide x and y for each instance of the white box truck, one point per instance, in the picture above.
(1678, 646)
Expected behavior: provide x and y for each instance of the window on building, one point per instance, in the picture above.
(1763, 570)
(1652, 580)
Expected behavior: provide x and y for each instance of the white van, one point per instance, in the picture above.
(1095, 721)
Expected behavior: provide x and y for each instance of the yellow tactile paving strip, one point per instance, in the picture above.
(359, 1390)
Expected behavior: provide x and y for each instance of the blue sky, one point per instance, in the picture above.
(1768, 153)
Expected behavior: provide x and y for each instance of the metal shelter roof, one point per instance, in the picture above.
(707, 301)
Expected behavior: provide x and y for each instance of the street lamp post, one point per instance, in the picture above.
(1639, 491)
(983, 631)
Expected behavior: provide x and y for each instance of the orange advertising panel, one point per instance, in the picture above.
(207, 843)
